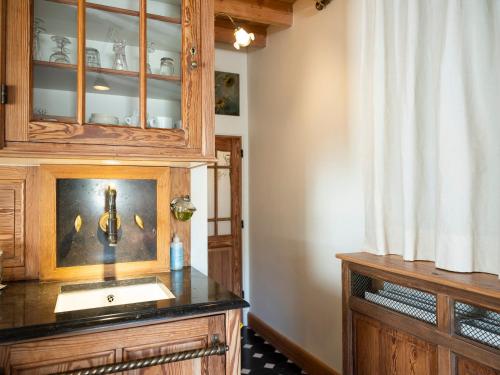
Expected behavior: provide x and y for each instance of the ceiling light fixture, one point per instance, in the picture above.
(242, 38)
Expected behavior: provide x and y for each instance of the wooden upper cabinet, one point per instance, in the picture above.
(121, 78)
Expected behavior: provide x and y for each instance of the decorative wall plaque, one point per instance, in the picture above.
(80, 203)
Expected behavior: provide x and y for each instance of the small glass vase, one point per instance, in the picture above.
(120, 60)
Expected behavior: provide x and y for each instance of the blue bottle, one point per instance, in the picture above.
(176, 254)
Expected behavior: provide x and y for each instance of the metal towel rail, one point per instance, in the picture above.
(217, 349)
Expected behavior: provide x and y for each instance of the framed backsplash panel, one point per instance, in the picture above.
(67, 192)
(84, 201)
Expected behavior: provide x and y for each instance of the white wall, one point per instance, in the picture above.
(305, 178)
(234, 62)
(199, 235)
(227, 60)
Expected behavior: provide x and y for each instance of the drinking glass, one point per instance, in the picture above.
(167, 66)
(61, 51)
(93, 58)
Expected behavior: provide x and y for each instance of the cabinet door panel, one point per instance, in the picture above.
(367, 339)
(466, 366)
(381, 350)
(405, 354)
(12, 222)
(65, 364)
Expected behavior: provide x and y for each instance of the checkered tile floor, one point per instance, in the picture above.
(258, 357)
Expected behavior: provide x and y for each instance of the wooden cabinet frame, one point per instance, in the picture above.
(2, 69)
(195, 141)
(450, 346)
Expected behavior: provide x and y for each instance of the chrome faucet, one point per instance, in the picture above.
(112, 231)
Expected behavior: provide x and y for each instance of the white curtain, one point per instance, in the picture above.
(430, 77)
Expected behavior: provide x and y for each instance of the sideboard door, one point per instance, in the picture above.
(381, 350)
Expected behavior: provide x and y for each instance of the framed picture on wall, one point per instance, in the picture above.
(227, 94)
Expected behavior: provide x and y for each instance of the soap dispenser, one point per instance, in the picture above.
(176, 254)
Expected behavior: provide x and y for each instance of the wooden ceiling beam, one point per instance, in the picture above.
(267, 12)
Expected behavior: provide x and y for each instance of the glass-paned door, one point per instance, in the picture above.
(112, 51)
(164, 69)
(128, 54)
(224, 214)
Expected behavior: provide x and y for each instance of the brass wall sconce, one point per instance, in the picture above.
(321, 4)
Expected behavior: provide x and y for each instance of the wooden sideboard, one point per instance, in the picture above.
(412, 318)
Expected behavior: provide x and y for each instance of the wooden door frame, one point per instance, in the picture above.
(235, 239)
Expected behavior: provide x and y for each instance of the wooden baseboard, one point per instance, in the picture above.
(303, 359)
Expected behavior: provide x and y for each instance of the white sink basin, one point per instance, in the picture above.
(71, 299)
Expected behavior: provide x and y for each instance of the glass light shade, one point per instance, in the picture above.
(100, 84)
(243, 38)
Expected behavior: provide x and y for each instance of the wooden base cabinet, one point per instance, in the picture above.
(404, 318)
(63, 354)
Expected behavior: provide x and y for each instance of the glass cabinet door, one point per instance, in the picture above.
(126, 72)
(164, 70)
(54, 53)
(112, 65)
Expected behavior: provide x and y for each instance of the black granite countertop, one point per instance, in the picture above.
(27, 308)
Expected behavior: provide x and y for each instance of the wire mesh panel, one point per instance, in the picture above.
(408, 301)
(479, 324)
